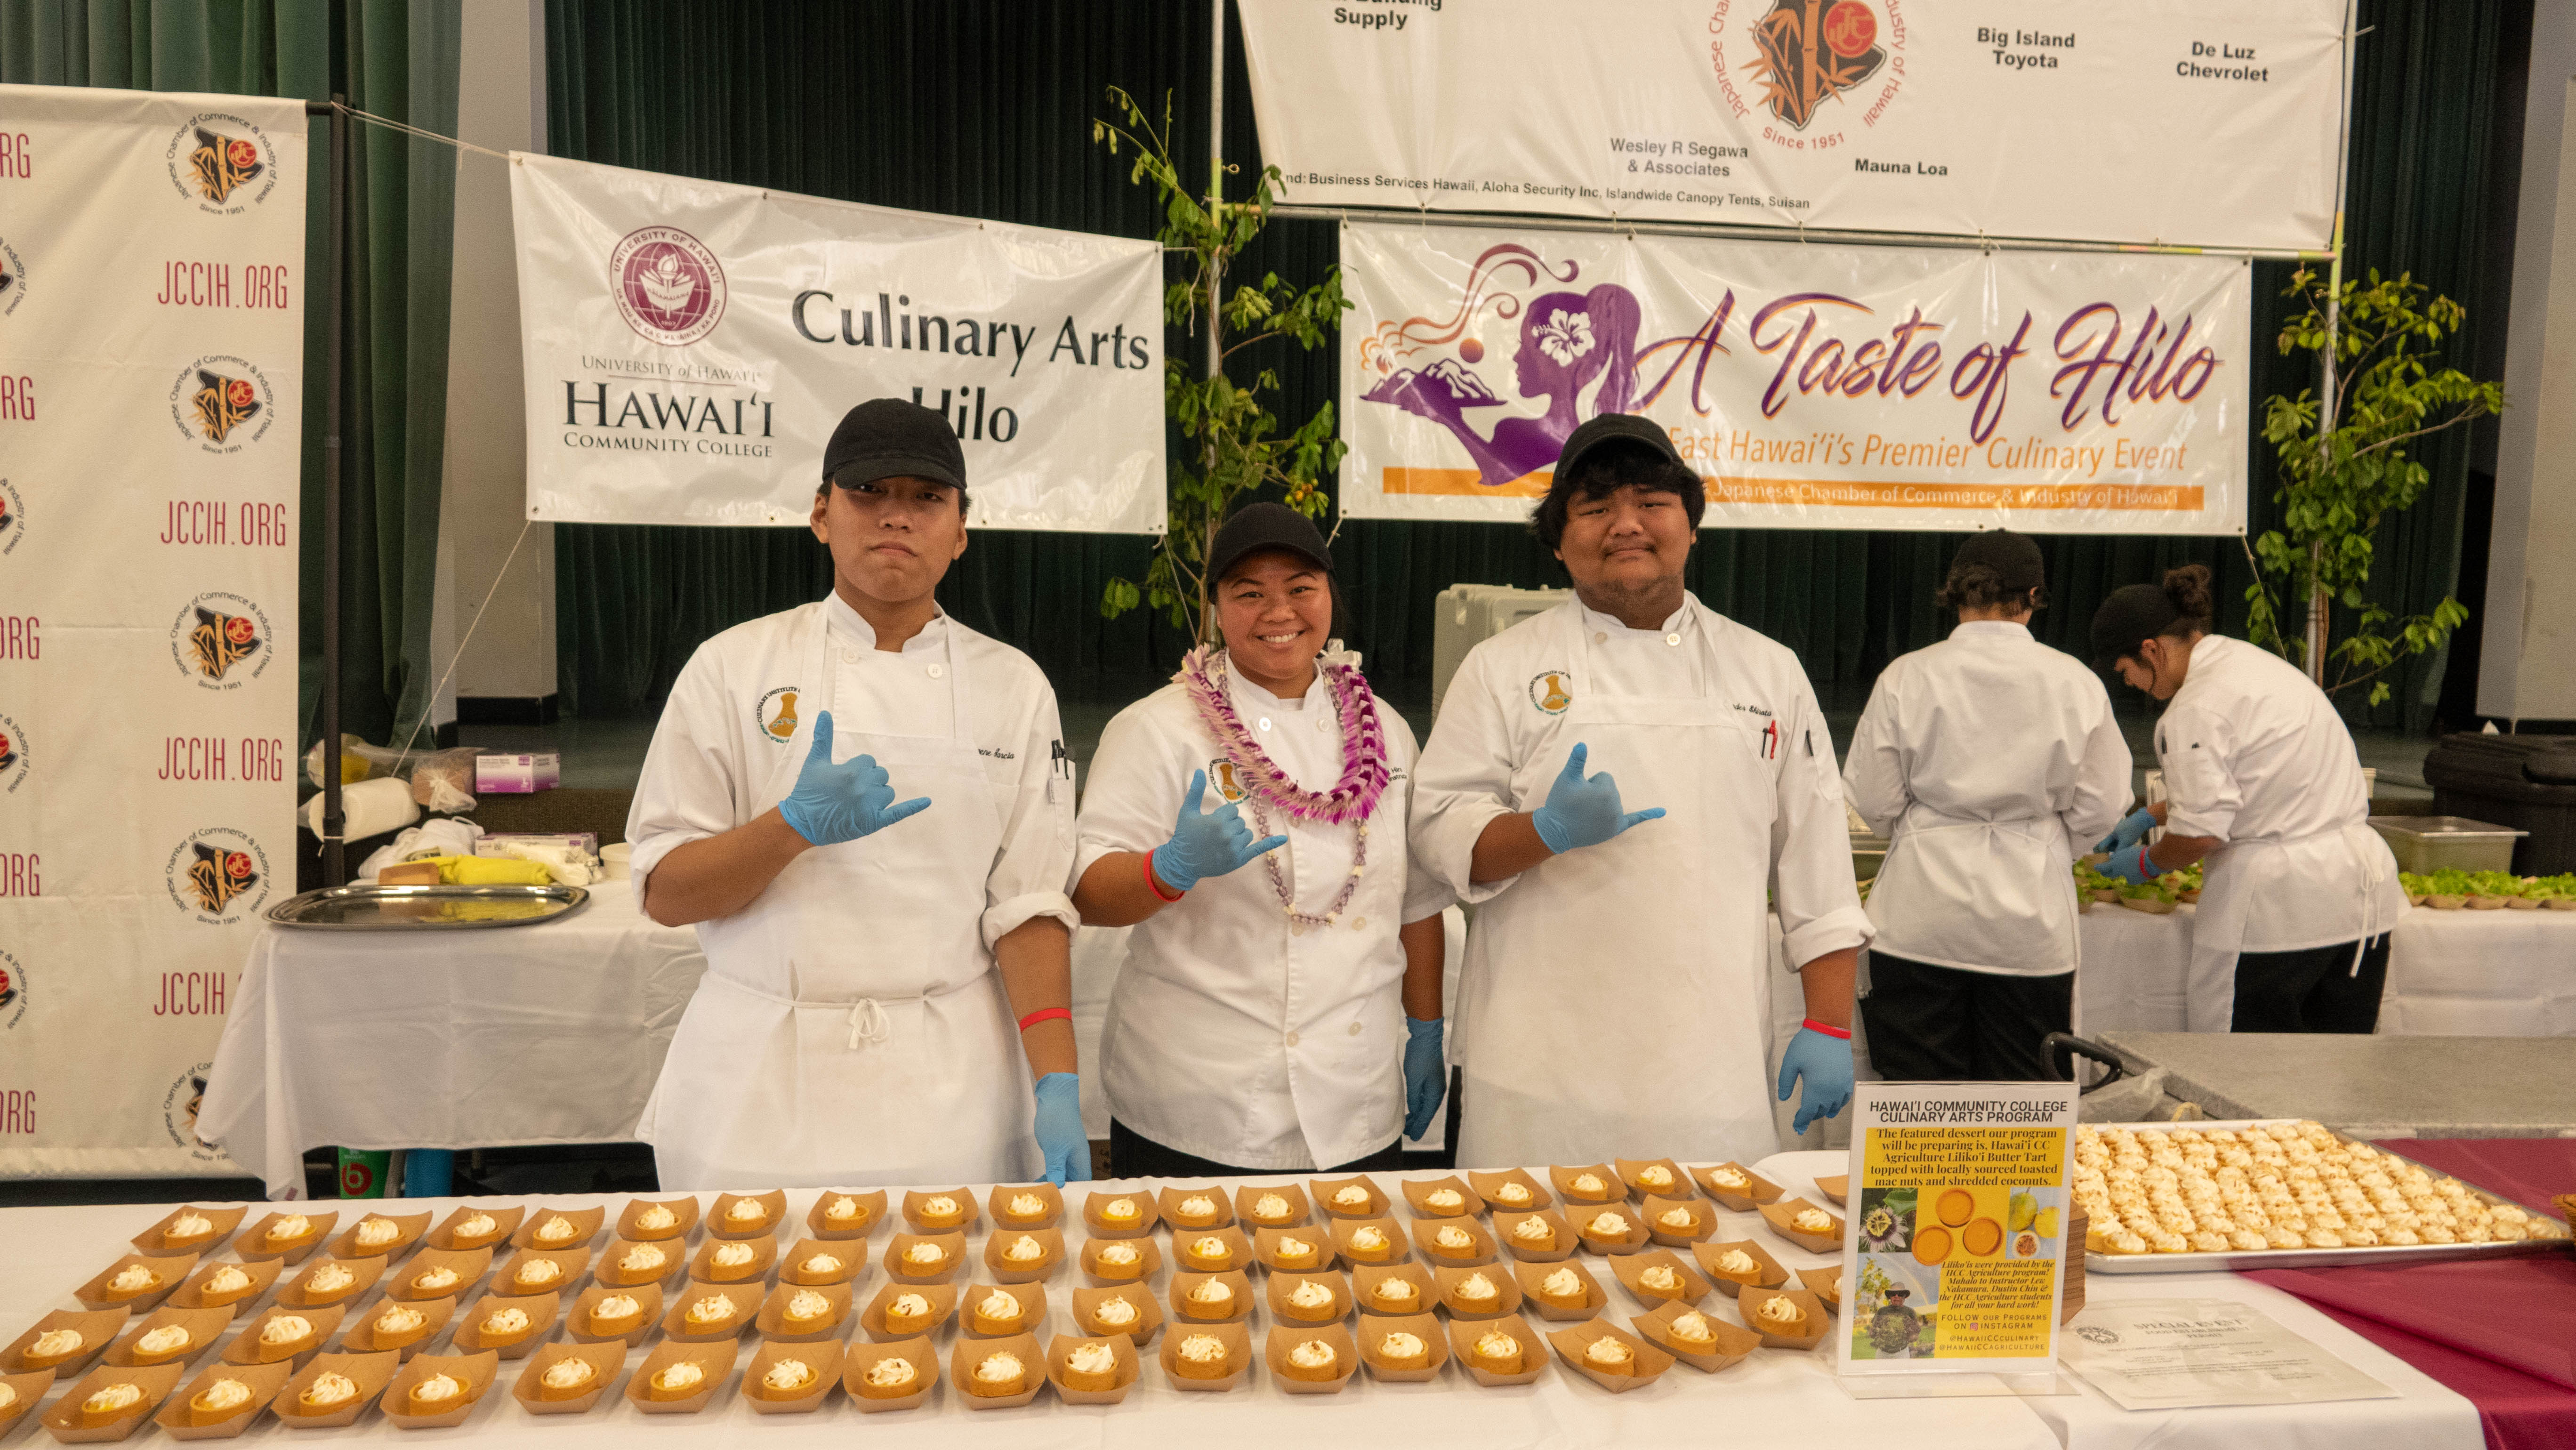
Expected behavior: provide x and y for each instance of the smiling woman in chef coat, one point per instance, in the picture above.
(2262, 782)
(855, 1025)
(1617, 984)
(1281, 970)
(1987, 760)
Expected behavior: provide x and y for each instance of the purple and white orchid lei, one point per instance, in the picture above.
(1352, 798)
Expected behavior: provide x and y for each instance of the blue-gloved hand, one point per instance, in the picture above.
(2132, 829)
(1207, 844)
(1582, 812)
(1060, 1136)
(835, 803)
(1822, 1063)
(1426, 1073)
(2130, 865)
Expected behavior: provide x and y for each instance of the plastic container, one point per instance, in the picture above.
(2524, 781)
(2426, 844)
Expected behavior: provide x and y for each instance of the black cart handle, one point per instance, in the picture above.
(2067, 1046)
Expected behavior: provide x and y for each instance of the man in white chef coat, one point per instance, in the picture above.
(874, 982)
(1615, 998)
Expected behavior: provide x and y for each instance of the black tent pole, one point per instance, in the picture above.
(335, 864)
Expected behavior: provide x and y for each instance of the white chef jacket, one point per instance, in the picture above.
(714, 749)
(2254, 754)
(1989, 761)
(1230, 1036)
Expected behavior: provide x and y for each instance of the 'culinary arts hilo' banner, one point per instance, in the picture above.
(1813, 386)
(152, 297)
(690, 346)
(2208, 123)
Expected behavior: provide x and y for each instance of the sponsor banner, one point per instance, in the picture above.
(1812, 386)
(2193, 122)
(151, 384)
(690, 347)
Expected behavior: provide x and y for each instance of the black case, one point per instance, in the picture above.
(2524, 781)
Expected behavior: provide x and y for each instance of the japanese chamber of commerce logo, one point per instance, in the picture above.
(218, 875)
(13, 991)
(222, 162)
(179, 1108)
(13, 517)
(13, 278)
(13, 756)
(221, 403)
(1549, 691)
(669, 287)
(1809, 52)
(221, 641)
(776, 714)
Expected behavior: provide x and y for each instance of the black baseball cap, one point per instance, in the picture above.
(892, 438)
(1262, 526)
(2133, 613)
(1611, 428)
(2013, 557)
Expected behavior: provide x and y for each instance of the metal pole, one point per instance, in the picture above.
(335, 864)
(1216, 269)
(2320, 604)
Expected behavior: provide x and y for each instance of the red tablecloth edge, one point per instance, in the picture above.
(2516, 1411)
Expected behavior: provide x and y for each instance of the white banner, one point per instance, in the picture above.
(690, 347)
(1846, 387)
(2203, 122)
(152, 304)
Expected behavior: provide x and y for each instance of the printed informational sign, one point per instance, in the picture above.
(2172, 1354)
(690, 347)
(2207, 123)
(1955, 1248)
(1818, 386)
(152, 304)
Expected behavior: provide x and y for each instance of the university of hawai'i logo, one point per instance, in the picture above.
(1551, 691)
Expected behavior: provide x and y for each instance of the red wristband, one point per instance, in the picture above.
(1045, 1014)
(1155, 886)
(1812, 1025)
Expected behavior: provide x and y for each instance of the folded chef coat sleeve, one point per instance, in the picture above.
(2198, 753)
(1811, 864)
(1131, 794)
(1028, 876)
(1463, 780)
(688, 788)
(2101, 795)
(1875, 772)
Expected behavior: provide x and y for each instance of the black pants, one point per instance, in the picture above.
(1133, 1155)
(1940, 1024)
(2314, 989)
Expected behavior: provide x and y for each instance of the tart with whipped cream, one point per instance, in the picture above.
(217, 1402)
(997, 1314)
(1091, 1367)
(996, 1375)
(1402, 1350)
(1495, 1352)
(1312, 1301)
(679, 1380)
(1200, 1357)
(568, 1378)
(1312, 1360)
(890, 1378)
(615, 1314)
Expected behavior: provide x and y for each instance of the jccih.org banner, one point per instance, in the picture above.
(690, 347)
(1811, 386)
(152, 297)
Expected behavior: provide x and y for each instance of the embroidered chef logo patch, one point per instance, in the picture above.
(776, 714)
(1226, 780)
(1551, 691)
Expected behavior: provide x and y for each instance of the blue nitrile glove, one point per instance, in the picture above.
(1426, 1073)
(1060, 1136)
(1823, 1065)
(2132, 829)
(1582, 812)
(2130, 864)
(835, 803)
(1207, 844)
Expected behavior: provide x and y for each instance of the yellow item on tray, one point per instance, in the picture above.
(489, 871)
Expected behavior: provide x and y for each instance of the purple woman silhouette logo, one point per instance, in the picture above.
(1568, 342)
(668, 286)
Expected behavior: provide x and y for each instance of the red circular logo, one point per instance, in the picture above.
(240, 630)
(669, 287)
(240, 393)
(241, 154)
(4, 744)
(237, 865)
(1850, 28)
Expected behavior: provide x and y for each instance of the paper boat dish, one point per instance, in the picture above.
(967, 1353)
(193, 1294)
(96, 1327)
(1125, 1369)
(1418, 1192)
(1096, 1216)
(1220, 1212)
(559, 1230)
(368, 1372)
(1561, 1239)
(1232, 1366)
(858, 1360)
(1507, 1296)
(1437, 1240)
(1149, 1260)
(581, 1322)
(1727, 1343)
(407, 1227)
(709, 1268)
(525, 1272)
(70, 1421)
(367, 1335)
(1031, 1316)
(726, 1220)
(1782, 1217)
(1826, 1284)
(473, 1374)
(612, 1268)
(473, 1338)
(714, 1360)
(468, 1265)
(1270, 1249)
(1329, 1196)
(684, 1217)
(679, 1326)
(165, 1277)
(220, 1222)
(1631, 1270)
(538, 1398)
(1491, 1188)
(252, 1345)
(259, 1241)
(1280, 1294)
(1564, 1180)
(1631, 1237)
(449, 1236)
(1374, 1328)
(181, 1418)
(1463, 1334)
(1191, 1311)
(1811, 1328)
(870, 1211)
(1644, 1361)
(793, 1264)
(822, 1360)
(1211, 1251)
(1284, 1340)
(300, 1292)
(941, 1300)
(964, 1213)
(1005, 1269)
(1425, 1295)
(25, 1391)
(1349, 1239)
(200, 1328)
(1087, 1305)
(1008, 1213)
(1533, 1281)
(1247, 1206)
(905, 1264)
(1757, 1190)
(1653, 1178)
(1701, 1223)
(1767, 1273)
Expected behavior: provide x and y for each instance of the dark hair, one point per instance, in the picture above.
(1981, 586)
(1605, 470)
(2194, 608)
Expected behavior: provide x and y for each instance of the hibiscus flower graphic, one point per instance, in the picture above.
(1565, 337)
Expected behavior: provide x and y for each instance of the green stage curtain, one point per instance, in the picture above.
(983, 108)
(394, 59)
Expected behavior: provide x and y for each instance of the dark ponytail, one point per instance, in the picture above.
(2194, 607)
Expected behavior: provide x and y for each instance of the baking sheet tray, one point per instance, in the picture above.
(426, 908)
(2377, 1254)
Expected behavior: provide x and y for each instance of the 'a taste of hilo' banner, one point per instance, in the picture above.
(689, 347)
(1812, 386)
(2209, 123)
(1955, 1247)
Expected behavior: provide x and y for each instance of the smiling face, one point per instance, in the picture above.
(892, 540)
(1626, 550)
(1275, 610)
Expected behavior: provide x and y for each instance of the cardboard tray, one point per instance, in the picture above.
(1703, 1221)
(1489, 1187)
(1343, 1231)
(363, 1337)
(256, 1244)
(1646, 1361)
(1630, 1270)
(969, 1352)
(1326, 1189)
(25, 1390)
(1426, 1290)
(1237, 1304)
(192, 1294)
(1168, 1203)
(204, 1327)
(1237, 1250)
(1633, 1239)
(723, 1224)
(1812, 1329)
(1149, 1261)
(1730, 1343)
(1614, 1190)
(247, 1347)
(1123, 1376)
(1247, 1200)
(872, 1211)
(943, 1303)
(570, 1266)
(97, 1328)
(299, 1293)
(604, 1359)
(647, 1297)
(713, 1357)
(684, 1217)
(1149, 1313)
(505, 1221)
(1051, 1215)
(1767, 1271)
(1147, 1214)
(1757, 1191)
(1837, 1189)
(1005, 1270)
(611, 1269)
(755, 1270)
(1633, 1173)
(822, 1356)
(1826, 1284)
(858, 1359)
(1506, 1302)
(1033, 1309)
(368, 1371)
(901, 1268)
(470, 1266)
(916, 1214)
(1428, 1233)
(1561, 1237)
(1417, 1196)
(1778, 1216)
(178, 1421)
(1276, 1292)
(474, 1372)
(156, 1240)
(853, 1255)
(532, 1232)
(1463, 1334)
(408, 1227)
(168, 1274)
(1266, 1250)
(1283, 1339)
(746, 1303)
(64, 1421)
(1374, 1328)
(1238, 1356)
(541, 1310)
(1531, 1276)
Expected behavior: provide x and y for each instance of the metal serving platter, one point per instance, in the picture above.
(2195, 1263)
(426, 908)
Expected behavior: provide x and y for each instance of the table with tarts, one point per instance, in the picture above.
(787, 1340)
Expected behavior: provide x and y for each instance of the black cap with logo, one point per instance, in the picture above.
(892, 438)
(1611, 428)
(1255, 528)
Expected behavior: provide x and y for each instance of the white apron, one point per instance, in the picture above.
(1956, 892)
(1618, 996)
(2237, 873)
(851, 1029)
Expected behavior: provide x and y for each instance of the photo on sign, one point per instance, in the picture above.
(1912, 1239)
